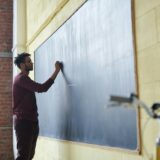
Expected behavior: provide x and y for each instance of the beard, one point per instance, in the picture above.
(27, 68)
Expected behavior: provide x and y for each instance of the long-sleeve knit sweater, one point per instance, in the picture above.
(24, 100)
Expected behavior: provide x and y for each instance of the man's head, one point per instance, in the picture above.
(24, 62)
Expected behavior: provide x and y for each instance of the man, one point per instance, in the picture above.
(25, 115)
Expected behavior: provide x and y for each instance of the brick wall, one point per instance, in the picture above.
(6, 25)
(6, 18)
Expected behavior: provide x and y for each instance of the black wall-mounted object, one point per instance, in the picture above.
(96, 48)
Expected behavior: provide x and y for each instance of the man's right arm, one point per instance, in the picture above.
(27, 83)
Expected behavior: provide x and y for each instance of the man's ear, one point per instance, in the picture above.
(21, 65)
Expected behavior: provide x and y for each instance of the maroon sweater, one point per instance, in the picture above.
(24, 100)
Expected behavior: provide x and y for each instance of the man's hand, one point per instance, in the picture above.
(58, 66)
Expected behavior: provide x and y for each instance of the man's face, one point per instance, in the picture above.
(28, 64)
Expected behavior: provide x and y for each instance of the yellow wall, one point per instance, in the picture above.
(148, 50)
(45, 16)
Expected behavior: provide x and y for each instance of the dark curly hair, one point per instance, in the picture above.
(20, 58)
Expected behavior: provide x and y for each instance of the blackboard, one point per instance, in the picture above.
(96, 48)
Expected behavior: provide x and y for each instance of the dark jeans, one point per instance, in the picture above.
(26, 134)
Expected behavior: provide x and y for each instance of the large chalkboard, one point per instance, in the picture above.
(96, 47)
